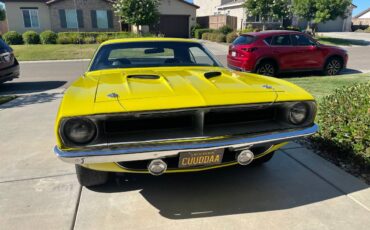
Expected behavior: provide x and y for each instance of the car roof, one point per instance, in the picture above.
(271, 32)
(149, 39)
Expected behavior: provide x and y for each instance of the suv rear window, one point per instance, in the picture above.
(243, 40)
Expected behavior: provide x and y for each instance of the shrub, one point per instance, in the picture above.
(220, 37)
(89, 40)
(199, 32)
(205, 36)
(248, 29)
(13, 38)
(31, 37)
(102, 38)
(344, 119)
(48, 37)
(231, 37)
(194, 28)
(225, 29)
(63, 39)
(293, 28)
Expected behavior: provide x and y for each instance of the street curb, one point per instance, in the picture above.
(51, 61)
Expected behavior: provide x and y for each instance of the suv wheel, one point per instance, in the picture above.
(266, 68)
(333, 66)
(87, 177)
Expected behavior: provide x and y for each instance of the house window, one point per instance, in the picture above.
(30, 18)
(71, 19)
(102, 19)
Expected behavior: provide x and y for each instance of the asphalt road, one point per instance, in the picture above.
(41, 76)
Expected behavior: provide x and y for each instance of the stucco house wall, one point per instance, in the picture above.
(86, 7)
(14, 15)
(209, 7)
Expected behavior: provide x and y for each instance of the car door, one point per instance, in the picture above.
(308, 53)
(283, 51)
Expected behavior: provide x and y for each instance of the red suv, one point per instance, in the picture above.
(272, 52)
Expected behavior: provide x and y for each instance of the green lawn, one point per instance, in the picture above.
(53, 52)
(5, 99)
(324, 85)
(340, 41)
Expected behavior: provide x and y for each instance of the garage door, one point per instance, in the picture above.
(176, 26)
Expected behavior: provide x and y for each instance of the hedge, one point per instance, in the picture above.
(13, 38)
(31, 37)
(231, 37)
(48, 37)
(344, 119)
(199, 32)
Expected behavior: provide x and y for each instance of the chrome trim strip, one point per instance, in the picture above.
(136, 153)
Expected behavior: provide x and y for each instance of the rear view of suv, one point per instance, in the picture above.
(272, 52)
(9, 66)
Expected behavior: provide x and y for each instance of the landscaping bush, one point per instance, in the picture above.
(220, 37)
(205, 36)
(63, 39)
(89, 40)
(48, 37)
(344, 119)
(13, 38)
(31, 37)
(225, 29)
(248, 29)
(293, 28)
(194, 28)
(231, 37)
(102, 38)
(199, 32)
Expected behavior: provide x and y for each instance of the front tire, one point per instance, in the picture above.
(87, 177)
(262, 160)
(333, 66)
(266, 68)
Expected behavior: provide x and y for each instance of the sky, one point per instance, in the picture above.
(361, 5)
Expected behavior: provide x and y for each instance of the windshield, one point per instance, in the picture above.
(151, 54)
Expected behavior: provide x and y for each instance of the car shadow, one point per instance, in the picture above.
(25, 100)
(280, 184)
(315, 73)
(12, 88)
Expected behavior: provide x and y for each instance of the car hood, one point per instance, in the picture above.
(129, 90)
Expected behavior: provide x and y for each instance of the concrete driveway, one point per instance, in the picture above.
(296, 190)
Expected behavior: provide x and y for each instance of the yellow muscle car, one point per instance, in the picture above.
(163, 105)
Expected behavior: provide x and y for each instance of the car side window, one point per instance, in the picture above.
(301, 40)
(268, 40)
(199, 57)
(281, 40)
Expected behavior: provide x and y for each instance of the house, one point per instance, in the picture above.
(235, 8)
(176, 16)
(362, 19)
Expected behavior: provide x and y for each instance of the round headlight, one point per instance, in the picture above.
(79, 131)
(298, 113)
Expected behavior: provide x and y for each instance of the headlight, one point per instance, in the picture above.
(298, 113)
(79, 131)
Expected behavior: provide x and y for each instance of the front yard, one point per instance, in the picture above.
(54, 52)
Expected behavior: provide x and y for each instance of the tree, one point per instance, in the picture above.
(276, 9)
(137, 12)
(316, 11)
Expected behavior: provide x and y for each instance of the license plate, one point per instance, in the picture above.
(201, 158)
(233, 53)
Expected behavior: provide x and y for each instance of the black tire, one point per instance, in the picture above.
(333, 66)
(267, 68)
(87, 177)
(262, 160)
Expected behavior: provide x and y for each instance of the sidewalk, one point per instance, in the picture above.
(296, 190)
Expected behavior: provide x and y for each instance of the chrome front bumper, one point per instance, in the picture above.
(138, 153)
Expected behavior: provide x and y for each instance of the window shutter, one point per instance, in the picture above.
(80, 19)
(62, 16)
(93, 19)
(110, 19)
(63, 20)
